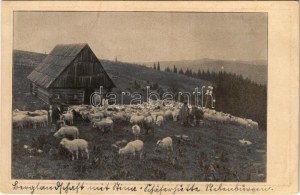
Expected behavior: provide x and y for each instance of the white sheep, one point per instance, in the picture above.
(136, 130)
(41, 121)
(104, 123)
(38, 113)
(241, 121)
(168, 114)
(75, 146)
(148, 120)
(18, 112)
(154, 116)
(136, 119)
(175, 114)
(245, 142)
(119, 116)
(133, 147)
(19, 120)
(41, 112)
(67, 117)
(78, 108)
(166, 143)
(84, 114)
(148, 124)
(159, 120)
(66, 130)
(252, 124)
(95, 115)
(221, 118)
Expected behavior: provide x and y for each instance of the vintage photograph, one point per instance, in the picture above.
(139, 96)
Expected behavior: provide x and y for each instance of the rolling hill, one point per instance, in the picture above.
(253, 70)
(26, 58)
(126, 76)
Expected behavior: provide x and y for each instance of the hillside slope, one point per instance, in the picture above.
(127, 77)
(254, 70)
(124, 75)
(26, 58)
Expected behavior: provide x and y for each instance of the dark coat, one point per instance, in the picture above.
(184, 113)
(56, 114)
(199, 114)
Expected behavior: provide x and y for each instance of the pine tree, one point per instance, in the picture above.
(181, 71)
(158, 66)
(154, 66)
(175, 69)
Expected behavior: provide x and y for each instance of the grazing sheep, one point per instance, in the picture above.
(166, 143)
(119, 116)
(84, 114)
(133, 147)
(168, 114)
(95, 115)
(148, 123)
(41, 121)
(183, 137)
(78, 108)
(154, 116)
(159, 120)
(175, 114)
(17, 111)
(136, 119)
(220, 118)
(19, 120)
(123, 141)
(252, 124)
(38, 113)
(66, 131)
(136, 130)
(103, 124)
(245, 142)
(67, 117)
(240, 121)
(74, 146)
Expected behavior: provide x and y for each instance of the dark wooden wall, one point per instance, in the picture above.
(67, 96)
(70, 96)
(85, 72)
(43, 94)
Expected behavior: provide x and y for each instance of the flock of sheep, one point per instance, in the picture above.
(141, 117)
(38, 118)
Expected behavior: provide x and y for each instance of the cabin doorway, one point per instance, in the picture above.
(87, 95)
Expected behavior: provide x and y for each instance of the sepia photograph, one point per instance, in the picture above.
(136, 97)
(139, 96)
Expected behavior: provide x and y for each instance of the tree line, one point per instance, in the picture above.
(234, 94)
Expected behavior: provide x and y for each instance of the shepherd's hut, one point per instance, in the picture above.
(69, 74)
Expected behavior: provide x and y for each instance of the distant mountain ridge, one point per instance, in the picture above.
(254, 70)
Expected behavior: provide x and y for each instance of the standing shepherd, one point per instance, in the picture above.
(184, 114)
(57, 111)
(199, 115)
(192, 116)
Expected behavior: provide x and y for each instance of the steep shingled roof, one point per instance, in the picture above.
(55, 63)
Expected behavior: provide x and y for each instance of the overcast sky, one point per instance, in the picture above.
(147, 36)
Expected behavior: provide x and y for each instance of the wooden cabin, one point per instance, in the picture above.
(69, 75)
